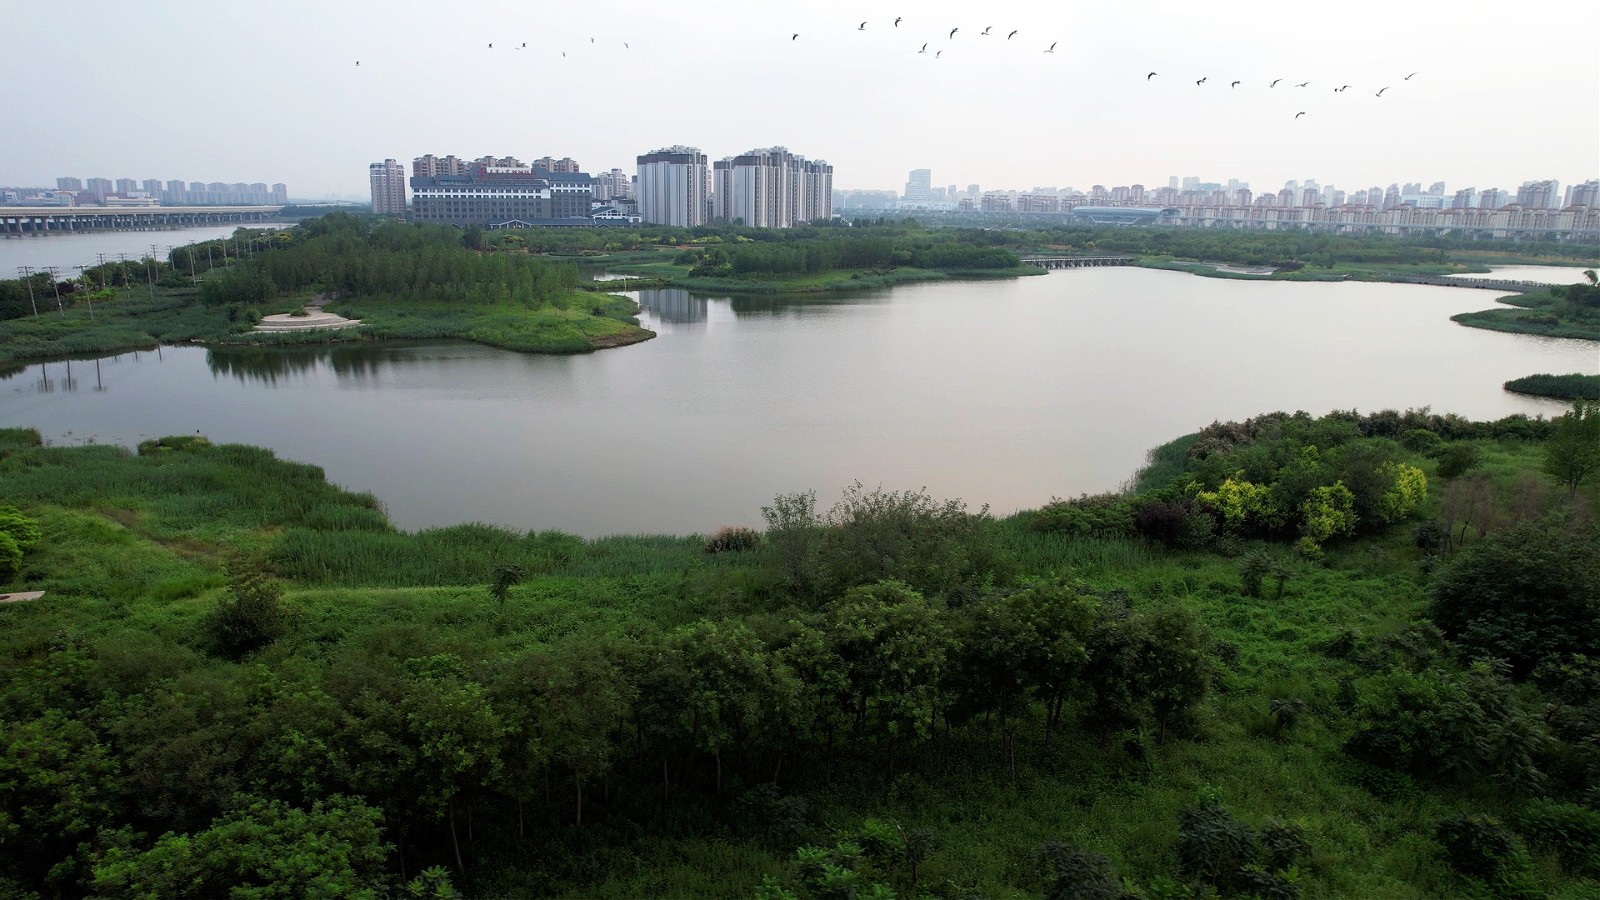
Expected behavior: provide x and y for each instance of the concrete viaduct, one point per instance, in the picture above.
(26, 220)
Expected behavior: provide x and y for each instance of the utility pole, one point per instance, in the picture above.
(89, 297)
(101, 269)
(123, 257)
(26, 272)
(150, 274)
(57, 289)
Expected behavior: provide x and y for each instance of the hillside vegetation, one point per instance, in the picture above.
(1341, 656)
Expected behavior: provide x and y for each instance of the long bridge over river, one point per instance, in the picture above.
(1076, 262)
(26, 220)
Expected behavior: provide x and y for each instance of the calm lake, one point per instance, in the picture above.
(1005, 393)
(67, 251)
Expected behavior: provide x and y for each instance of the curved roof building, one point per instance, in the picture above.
(1123, 215)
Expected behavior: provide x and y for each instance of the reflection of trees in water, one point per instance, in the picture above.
(773, 305)
(675, 305)
(269, 365)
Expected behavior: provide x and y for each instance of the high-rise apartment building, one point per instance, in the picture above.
(126, 185)
(672, 186)
(771, 188)
(613, 185)
(565, 165)
(69, 184)
(98, 188)
(1586, 194)
(388, 181)
(431, 166)
(1538, 195)
(919, 185)
(1493, 198)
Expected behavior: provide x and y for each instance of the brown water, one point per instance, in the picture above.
(1004, 393)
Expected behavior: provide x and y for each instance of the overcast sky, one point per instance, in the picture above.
(207, 91)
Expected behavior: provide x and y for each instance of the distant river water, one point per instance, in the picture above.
(67, 251)
(1003, 392)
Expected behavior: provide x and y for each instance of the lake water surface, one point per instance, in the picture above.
(67, 251)
(1005, 392)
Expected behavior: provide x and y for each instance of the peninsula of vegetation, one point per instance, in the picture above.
(402, 281)
(1572, 311)
(1348, 656)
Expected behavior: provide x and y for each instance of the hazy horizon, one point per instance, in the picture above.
(222, 94)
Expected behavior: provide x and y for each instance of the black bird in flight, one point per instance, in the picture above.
(1302, 84)
(897, 21)
(1203, 80)
(491, 46)
(924, 49)
(985, 31)
(1380, 92)
(1408, 77)
(1298, 114)
(862, 27)
(358, 62)
(1275, 82)
(1012, 34)
(953, 31)
(1151, 75)
(938, 53)
(794, 37)
(1234, 85)
(625, 46)
(524, 44)
(1052, 47)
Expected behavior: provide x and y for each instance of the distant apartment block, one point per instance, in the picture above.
(504, 196)
(388, 182)
(564, 166)
(771, 188)
(672, 187)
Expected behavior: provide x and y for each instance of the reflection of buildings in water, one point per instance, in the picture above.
(674, 305)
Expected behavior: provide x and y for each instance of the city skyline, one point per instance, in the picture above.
(1482, 109)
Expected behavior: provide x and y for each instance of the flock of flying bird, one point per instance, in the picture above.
(1338, 90)
(938, 54)
(524, 46)
(988, 30)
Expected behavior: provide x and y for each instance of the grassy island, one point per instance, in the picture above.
(1565, 312)
(402, 281)
(1348, 656)
(1576, 386)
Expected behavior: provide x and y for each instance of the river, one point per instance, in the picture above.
(997, 392)
(68, 251)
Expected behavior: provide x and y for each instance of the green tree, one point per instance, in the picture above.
(1572, 452)
(260, 849)
(893, 643)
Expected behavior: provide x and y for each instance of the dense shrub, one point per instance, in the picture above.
(1103, 515)
(1571, 831)
(10, 555)
(23, 530)
(1524, 593)
(249, 618)
(1073, 873)
(1476, 844)
(732, 538)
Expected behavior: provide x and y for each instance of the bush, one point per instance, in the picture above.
(1456, 459)
(1477, 845)
(1214, 848)
(22, 529)
(732, 538)
(1420, 440)
(1072, 873)
(10, 555)
(1103, 515)
(1571, 831)
(250, 617)
(1523, 594)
